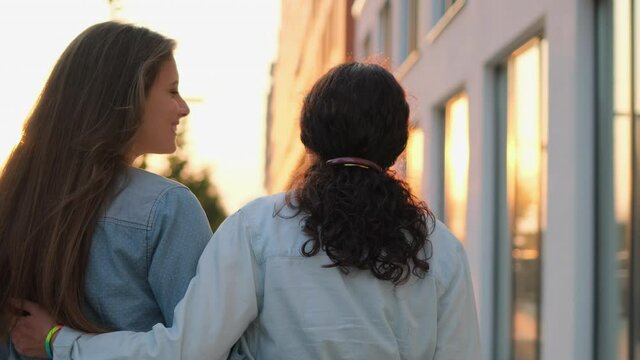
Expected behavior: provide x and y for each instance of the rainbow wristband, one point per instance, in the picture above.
(47, 342)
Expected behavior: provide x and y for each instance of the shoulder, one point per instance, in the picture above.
(144, 181)
(267, 212)
(141, 192)
(265, 206)
(272, 226)
(448, 254)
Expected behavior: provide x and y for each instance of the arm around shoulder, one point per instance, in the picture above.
(219, 304)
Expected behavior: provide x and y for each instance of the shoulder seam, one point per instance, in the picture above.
(133, 224)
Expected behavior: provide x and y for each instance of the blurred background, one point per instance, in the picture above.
(225, 50)
(525, 133)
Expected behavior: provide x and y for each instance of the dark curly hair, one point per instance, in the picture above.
(360, 217)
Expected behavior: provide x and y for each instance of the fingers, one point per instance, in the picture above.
(29, 324)
(20, 339)
(15, 307)
(26, 305)
(12, 321)
(16, 303)
(28, 338)
(20, 328)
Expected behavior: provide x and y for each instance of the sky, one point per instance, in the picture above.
(224, 55)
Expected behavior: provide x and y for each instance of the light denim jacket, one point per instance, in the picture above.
(144, 252)
(252, 279)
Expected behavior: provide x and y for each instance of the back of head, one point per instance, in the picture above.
(74, 148)
(362, 216)
(356, 110)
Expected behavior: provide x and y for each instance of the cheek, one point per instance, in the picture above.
(148, 126)
(164, 110)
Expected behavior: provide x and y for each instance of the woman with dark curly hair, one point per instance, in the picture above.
(348, 264)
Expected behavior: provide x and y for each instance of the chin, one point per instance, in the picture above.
(166, 150)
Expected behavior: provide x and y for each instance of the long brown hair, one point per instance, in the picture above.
(73, 151)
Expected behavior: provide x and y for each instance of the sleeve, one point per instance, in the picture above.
(218, 306)
(458, 336)
(179, 232)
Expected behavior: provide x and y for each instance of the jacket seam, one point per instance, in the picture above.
(127, 223)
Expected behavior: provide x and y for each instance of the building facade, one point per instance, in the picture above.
(525, 115)
(314, 36)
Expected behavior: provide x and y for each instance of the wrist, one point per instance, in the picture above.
(51, 336)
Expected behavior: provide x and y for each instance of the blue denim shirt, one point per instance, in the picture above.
(144, 252)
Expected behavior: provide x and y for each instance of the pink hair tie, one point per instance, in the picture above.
(354, 161)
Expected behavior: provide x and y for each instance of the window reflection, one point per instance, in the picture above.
(415, 160)
(456, 164)
(414, 10)
(440, 7)
(615, 177)
(409, 23)
(526, 177)
(384, 30)
(615, 195)
(636, 27)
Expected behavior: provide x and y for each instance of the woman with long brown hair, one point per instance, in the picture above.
(347, 265)
(99, 244)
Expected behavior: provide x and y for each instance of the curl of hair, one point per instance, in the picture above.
(366, 220)
(360, 218)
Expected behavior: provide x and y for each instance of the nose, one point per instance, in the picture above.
(184, 108)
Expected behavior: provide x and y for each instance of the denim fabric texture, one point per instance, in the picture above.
(144, 252)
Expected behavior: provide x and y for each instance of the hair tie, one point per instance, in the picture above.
(355, 161)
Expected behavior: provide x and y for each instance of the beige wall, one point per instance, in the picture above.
(314, 36)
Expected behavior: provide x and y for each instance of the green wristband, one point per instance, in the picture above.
(47, 343)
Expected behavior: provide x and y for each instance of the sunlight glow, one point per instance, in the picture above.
(622, 168)
(526, 187)
(224, 54)
(456, 159)
(45, 29)
(415, 160)
(525, 138)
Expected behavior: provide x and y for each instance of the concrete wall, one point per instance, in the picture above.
(314, 36)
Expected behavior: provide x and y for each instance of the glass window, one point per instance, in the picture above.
(409, 34)
(414, 11)
(366, 46)
(410, 164)
(456, 164)
(384, 30)
(440, 7)
(415, 160)
(526, 182)
(636, 66)
(618, 62)
(521, 186)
